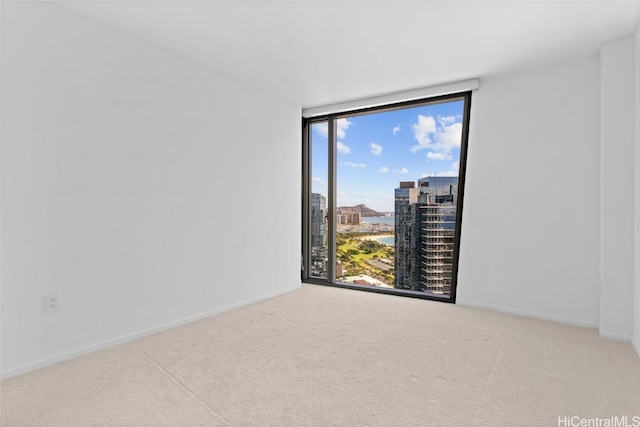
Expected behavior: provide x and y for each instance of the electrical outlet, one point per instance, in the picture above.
(51, 303)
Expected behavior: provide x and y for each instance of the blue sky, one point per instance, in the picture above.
(377, 151)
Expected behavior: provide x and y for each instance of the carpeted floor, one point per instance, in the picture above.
(324, 356)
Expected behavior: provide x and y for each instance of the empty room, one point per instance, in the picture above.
(320, 213)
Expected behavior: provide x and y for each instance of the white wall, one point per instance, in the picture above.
(530, 233)
(548, 206)
(142, 187)
(617, 165)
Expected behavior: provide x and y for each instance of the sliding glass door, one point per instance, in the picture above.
(383, 193)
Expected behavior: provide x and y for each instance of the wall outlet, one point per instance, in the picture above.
(51, 303)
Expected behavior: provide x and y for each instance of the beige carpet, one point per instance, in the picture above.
(324, 356)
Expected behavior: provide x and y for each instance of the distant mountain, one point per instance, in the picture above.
(361, 209)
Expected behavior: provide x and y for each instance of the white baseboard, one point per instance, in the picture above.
(573, 322)
(615, 336)
(530, 314)
(110, 343)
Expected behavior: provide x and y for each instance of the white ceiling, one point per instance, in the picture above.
(319, 52)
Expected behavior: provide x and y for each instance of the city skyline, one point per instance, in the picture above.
(376, 151)
(424, 240)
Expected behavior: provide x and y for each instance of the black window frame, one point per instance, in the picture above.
(331, 118)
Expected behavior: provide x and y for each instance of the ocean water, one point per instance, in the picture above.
(387, 221)
(384, 220)
(387, 240)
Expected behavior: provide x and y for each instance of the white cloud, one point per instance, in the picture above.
(353, 165)
(403, 170)
(383, 169)
(317, 180)
(342, 148)
(321, 128)
(438, 155)
(440, 140)
(396, 129)
(447, 173)
(450, 137)
(341, 128)
(421, 132)
(376, 149)
(446, 120)
(452, 172)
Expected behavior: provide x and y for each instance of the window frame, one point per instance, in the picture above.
(331, 119)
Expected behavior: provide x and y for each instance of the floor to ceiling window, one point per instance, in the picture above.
(383, 193)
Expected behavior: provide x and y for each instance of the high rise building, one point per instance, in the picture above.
(347, 217)
(425, 234)
(318, 235)
(406, 262)
(437, 212)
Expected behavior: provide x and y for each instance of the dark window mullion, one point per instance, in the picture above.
(331, 202)
(462, 171)
(306, 201)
